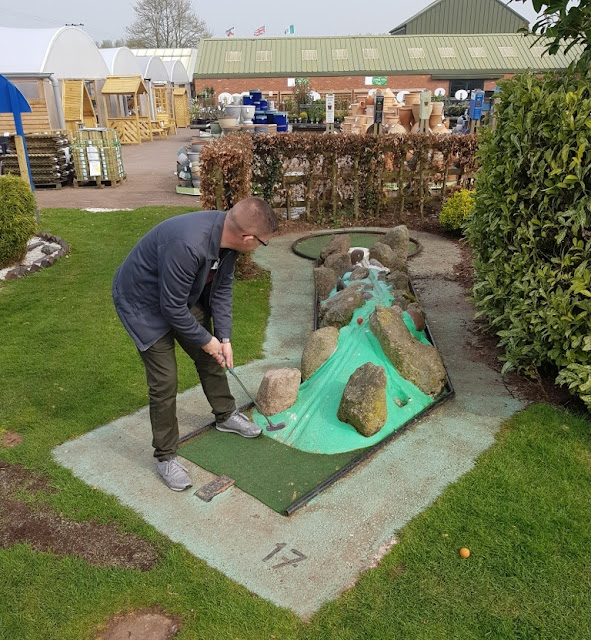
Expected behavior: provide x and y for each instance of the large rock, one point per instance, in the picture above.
(340, 263)
(341, 243)
(398, 280)
(338, 310)
(419, 363)
(278, 390)
(359, 273)
(325, 281)
(363, 404)
(415, 311)
(320, 346)
(397, 239)
(384, 254)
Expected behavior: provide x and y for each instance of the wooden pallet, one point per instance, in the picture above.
(52, 185)
(99, 183)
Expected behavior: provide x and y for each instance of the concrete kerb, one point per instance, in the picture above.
(305, 560)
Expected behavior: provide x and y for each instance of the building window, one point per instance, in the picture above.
(416, 52)
(233, 56)
(447, 52)
(263, 56)
(309, 54)
(478, 52)
(370, 54)
(467, 85)
(508, 52)
(340, 54)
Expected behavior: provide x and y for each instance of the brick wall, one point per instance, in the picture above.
(325, 84)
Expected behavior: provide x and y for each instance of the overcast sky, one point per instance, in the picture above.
(106, 20)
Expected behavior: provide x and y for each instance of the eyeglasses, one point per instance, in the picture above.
(265, 244)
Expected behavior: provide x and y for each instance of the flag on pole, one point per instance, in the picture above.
(230, 32)
(260, 31)
(289, 31)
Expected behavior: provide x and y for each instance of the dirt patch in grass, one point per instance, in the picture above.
(47, 531)
(150, 624)
(10, 439)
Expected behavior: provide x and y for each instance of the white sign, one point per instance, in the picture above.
(440, 92)
(94, 168)
(330, 108)
(291, 82)
(462, 94)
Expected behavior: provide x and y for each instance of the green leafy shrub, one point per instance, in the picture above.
(17, 219)
(457, 210)
(531, 227)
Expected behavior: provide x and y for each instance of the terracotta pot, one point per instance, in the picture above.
(440, 129)
(412, 98)
(437, 108)
(405, 115)
(435, 120)
(396, 128)
(415, 127)
(369, 101)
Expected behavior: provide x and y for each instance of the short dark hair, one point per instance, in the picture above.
(253, 216)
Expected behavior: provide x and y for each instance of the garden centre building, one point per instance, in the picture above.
(350, 65)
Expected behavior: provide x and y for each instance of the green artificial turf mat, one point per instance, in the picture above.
(272, 472)
(311, 246)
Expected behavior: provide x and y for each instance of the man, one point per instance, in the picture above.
(175, 281)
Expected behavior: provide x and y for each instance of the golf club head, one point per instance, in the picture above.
(275, 427)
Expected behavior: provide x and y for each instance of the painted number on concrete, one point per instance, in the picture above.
(286, 561)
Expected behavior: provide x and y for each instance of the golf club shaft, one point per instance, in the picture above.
(248, 394)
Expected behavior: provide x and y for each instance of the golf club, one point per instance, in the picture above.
(272, 426)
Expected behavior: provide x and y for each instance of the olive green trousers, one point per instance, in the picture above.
(161, 375)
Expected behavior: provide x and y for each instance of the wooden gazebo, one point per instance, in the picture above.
(125, 110)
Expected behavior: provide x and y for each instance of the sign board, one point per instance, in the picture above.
(329, 108)
(376, 81)
(378, 113)
(476, 102)
(425, 105)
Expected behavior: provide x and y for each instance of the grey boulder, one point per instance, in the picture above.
(418, 363)
(363, 404)
(320, 346)
(278, 390)
(325, 281)
(338, 310)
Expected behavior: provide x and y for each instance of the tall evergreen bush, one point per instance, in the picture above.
(17, 219)
(531, 229)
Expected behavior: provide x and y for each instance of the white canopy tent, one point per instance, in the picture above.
(36, 60)
(154, 73)
(179, 98)
(120, 61)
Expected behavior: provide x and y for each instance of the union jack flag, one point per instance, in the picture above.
(260, 31)
(230, 32)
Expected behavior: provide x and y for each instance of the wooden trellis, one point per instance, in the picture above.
(77, 104)
(181, 107)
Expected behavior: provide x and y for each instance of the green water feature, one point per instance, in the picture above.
(312, 424)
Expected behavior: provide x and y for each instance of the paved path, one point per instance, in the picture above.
(341, 531)
(151, 180)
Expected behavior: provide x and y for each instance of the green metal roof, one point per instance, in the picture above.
(463, 16)
(444, 56)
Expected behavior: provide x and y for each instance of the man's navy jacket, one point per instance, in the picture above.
(164, 275)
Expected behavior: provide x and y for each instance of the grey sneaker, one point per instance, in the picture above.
(174, 474)
(240, 424)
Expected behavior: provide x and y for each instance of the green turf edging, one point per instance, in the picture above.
(272, 472)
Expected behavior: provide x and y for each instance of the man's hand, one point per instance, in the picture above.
(214, 348)
(228, 354)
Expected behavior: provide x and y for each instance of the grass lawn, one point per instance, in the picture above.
(67, 366)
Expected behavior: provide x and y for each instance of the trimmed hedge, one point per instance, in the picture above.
(531, 229)
(17, 219)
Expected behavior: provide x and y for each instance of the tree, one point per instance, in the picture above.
(565, 24)
(165, 24)
(109, 44)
